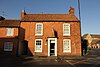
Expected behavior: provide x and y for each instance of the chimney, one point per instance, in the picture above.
(23, 13)
(71, 11)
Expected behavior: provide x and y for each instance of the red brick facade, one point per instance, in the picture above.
(47, 32)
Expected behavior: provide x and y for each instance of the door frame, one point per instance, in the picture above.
(55, 39)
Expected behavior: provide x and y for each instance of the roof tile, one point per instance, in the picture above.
(49, 17)
(9, 23)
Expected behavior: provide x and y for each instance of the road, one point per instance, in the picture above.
(87, 62)
(21, 62)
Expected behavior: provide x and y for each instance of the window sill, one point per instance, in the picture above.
(66, 35)
(38, 34)
(67, 52)
(37, 51)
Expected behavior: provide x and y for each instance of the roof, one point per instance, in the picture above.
(92, 35)
(95, 35)
(95, 42)
(85, 35)
(49, 17)
(9, 23)
(2, 18)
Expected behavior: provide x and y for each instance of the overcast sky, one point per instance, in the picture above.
(90, 10)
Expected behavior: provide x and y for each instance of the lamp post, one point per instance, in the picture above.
(79, 10)
(80, 23)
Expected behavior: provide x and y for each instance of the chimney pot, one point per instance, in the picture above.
(71, 11)
(23, 13)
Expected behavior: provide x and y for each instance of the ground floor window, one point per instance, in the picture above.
(8, 46)
(38, 45)
(66, 45)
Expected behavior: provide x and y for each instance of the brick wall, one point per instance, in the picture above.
(4, 38)
(4, 31)
(30, 28)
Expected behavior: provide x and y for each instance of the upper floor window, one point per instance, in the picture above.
(38, 45)
(66, 29)
(39, 29)
(10, 31)
(8, 46)
(66, 45)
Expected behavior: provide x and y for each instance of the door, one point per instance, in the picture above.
(52, 46)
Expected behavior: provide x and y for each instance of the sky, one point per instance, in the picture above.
(89, 10)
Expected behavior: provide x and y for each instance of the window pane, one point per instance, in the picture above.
(66, 29)
(10, 31)
(66, 45)
(38, 45)
(8, 46)
(39, 28)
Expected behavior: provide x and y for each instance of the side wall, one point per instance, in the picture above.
(4, 38)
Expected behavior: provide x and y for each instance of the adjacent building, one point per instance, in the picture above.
(9, 37)
(93, 40)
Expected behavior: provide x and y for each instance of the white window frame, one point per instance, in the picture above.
(69, 49)
(10, 31)
(8, 46)
(37, 34)
(41, 45)
(54, 41)
(66, 34)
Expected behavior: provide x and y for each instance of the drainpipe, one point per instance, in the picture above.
(18, 52)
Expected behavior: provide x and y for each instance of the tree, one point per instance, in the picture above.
(84, 46)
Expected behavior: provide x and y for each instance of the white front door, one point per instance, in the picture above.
(52, 46)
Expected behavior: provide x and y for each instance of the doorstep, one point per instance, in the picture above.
(55, 57)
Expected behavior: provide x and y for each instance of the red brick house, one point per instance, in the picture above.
(51, 34)
(8, 37)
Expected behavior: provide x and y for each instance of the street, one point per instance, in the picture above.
(87, 62)
(22, 62)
